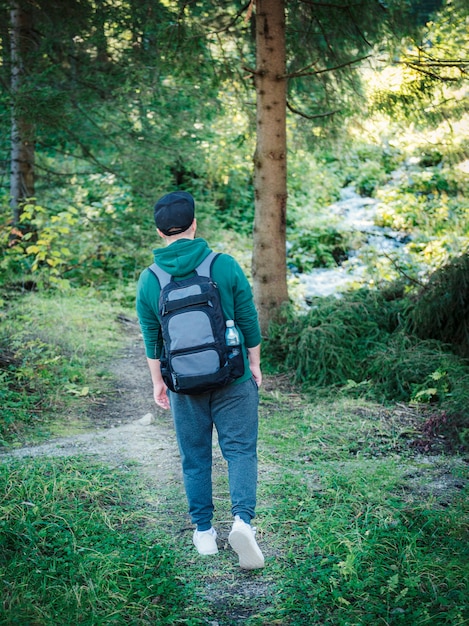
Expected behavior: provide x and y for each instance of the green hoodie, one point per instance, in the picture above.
(180, 259)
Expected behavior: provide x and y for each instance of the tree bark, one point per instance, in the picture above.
(270, 163)
(22, 132)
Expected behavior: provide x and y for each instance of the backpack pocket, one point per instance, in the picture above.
(236, 362)
(201, 331)
(204, 362)
(196, 372)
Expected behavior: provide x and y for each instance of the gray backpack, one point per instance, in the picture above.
(195, 357)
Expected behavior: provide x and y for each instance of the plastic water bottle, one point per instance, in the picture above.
(231, 335)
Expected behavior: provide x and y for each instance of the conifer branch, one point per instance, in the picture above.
(304, 72)
(310, 117)
(233, 20)
(399, 269)
(419, 68)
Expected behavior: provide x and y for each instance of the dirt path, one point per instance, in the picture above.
(129, 429)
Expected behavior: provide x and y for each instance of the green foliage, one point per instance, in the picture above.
(52, 349)
(114, 93)
(330, 36)
(369, 343)
(316, 248)
(95, 235)
(41, 251)
(430, 67)
(75, 548)
(436, 182)
(314, 182)
(368, 164)
(370, 176)
(223, 163)
(429, 205)
(332, 342)
(441, 308)
(360, 345)
(421, 370)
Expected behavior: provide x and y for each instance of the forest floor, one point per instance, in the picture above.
(127, 430)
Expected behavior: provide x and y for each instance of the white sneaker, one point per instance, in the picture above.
(242, 540)
(206, 541)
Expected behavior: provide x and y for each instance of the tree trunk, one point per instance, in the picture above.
(270, 163)
(22, 137)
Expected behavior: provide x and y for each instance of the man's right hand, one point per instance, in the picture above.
(159, 388)
(160, 395)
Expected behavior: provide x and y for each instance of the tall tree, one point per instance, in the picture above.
(270, 161)
(22, 128)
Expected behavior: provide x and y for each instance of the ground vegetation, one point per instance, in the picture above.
(362, 512)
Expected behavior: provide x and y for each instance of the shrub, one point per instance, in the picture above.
(441, 309)
(370, 176)
(331, 344)
(406, 368)
(362, 344)
(92, 238)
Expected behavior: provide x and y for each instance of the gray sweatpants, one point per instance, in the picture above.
(234, 412)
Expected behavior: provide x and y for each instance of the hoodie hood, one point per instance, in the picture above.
(182, 256)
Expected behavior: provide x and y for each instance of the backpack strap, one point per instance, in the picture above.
(164, 278)
(203, 269)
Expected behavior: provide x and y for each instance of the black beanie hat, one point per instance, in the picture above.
(174, 212)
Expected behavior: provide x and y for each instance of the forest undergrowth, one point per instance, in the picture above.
(362, 514)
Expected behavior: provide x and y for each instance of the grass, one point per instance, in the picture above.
(368, 534)
(53, 352)
(359, 525)
(356, 527)
(76, 548)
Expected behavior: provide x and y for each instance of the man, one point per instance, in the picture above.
(232, 409)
